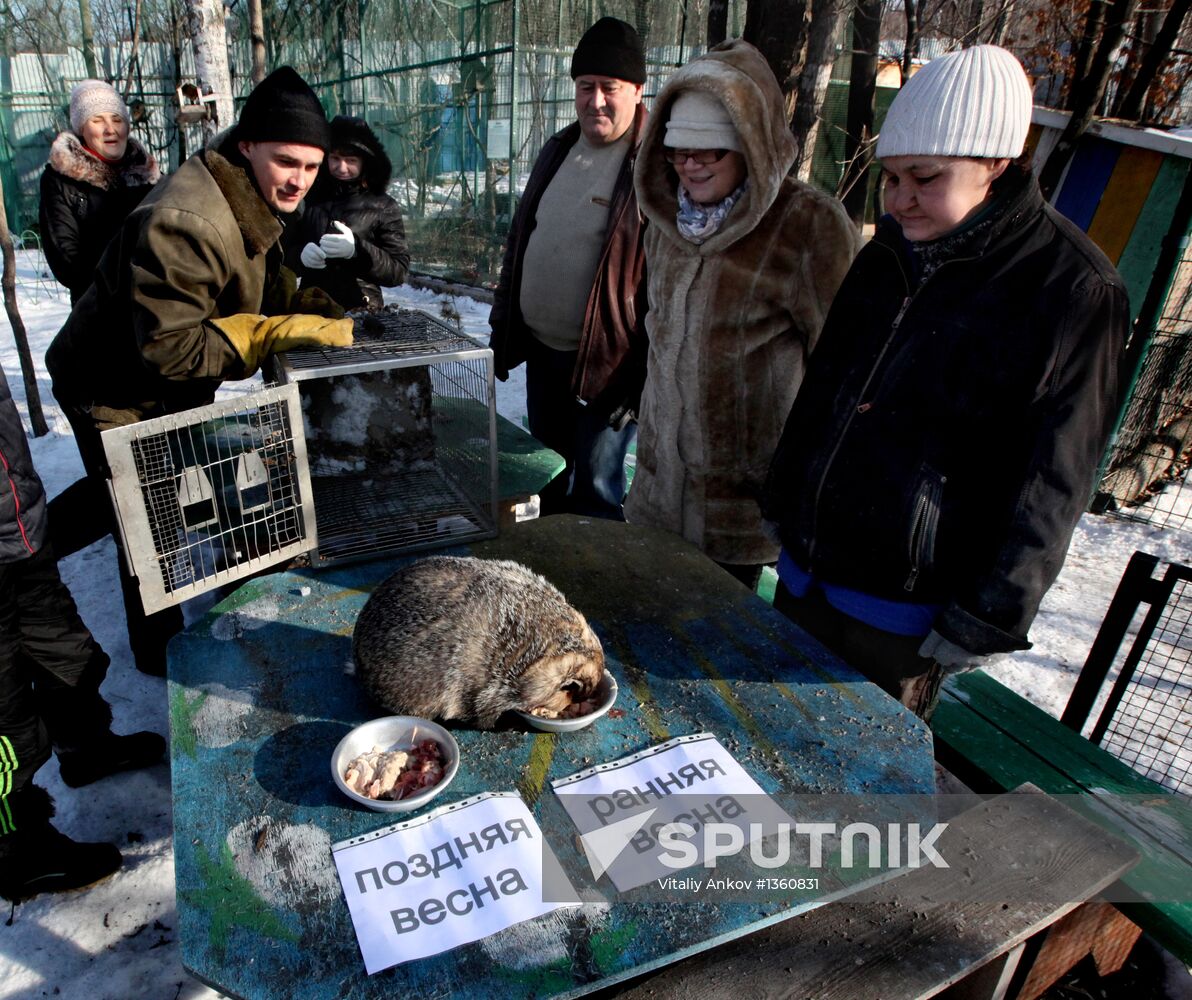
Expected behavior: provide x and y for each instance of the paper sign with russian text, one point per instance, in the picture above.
(458, 874)
(648, 815)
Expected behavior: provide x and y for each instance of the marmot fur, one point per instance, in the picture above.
(468, 639)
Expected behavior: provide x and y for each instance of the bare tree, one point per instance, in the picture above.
(717, 21)
(778, 28)
(88, 39)
(205, 21)
(1131, 104)
(256, 30)
(1088, 91)
(867, 17)
(827, 22)
(9, 283)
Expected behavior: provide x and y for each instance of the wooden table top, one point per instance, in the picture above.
(259, 699)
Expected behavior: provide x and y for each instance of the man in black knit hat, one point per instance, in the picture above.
(192, 291)
(571, 301)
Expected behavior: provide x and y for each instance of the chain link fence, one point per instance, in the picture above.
(1147, 473)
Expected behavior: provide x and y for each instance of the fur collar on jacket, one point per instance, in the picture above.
(258, 223)
(737, 75)
(69, 157)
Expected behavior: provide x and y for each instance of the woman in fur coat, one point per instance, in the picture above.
(97, 174)
(742, 262)
(351, 241)
(944, 443)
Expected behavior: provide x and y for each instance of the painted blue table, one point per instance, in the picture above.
(259, 698)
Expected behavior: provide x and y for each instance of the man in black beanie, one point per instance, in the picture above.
(192, 291)
(571, 301)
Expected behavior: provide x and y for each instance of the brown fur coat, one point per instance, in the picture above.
(732, 320)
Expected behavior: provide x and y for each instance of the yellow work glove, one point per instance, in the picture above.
(254, 337)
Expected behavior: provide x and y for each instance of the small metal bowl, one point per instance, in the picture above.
(394, 732)
(607, 689)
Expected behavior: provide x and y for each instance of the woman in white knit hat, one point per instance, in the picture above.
(97, 174)
(944, 442)
(742, 261)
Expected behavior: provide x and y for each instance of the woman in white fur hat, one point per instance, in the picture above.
(97, 174)
(742, 261)
(944, 442)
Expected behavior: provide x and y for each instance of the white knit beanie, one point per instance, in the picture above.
(94, 97)
(975, 102)
(699, 121)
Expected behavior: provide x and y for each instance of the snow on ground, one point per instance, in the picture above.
(118, 939)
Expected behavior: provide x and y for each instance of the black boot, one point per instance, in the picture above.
(109, 755)
(34, 857)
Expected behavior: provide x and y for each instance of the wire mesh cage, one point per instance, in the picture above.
(1134, 693)
(1148, 721)
(401, 437)
(211, 495)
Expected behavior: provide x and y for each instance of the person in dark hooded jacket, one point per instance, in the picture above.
(351, 241)
(96, 175)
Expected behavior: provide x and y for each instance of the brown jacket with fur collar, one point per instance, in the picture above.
(732, 320)
(202, 246)
(83, 202)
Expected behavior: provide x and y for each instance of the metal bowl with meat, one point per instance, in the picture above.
(581, 714)
(395, 764)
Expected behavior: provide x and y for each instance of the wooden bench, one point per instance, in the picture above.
(993, 740)
(1017, 864)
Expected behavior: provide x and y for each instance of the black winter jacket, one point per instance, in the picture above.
(22, 497)
(83, 203)
(382, 257)
(943, 444)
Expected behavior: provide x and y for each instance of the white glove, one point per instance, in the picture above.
(342, 244)
(954, 659)
(312, 257)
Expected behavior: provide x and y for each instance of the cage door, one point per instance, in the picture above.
(211, 495)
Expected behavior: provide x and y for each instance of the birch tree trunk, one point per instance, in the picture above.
(208, 35)
(9, 283)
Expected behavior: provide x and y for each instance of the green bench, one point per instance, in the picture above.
(994, 740)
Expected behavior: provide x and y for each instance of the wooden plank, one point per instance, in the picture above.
(1137, 262)
(918, 934)
(1087, 176)
(986, 756)
(1084, 763)
(1124, 198)
(525, 464)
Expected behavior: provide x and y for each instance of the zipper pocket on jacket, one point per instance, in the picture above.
(925, 518)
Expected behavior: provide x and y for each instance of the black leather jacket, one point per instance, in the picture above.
(943, 444)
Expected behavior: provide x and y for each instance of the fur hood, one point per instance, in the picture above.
(70, 158)
(354, 133)
(737, 75)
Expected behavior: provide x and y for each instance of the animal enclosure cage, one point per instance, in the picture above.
(211, 495)
(401, 437)
(379, 449)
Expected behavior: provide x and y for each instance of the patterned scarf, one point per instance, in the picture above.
(930, 255)
(698, 223)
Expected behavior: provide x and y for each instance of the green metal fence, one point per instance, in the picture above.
(462, 94)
